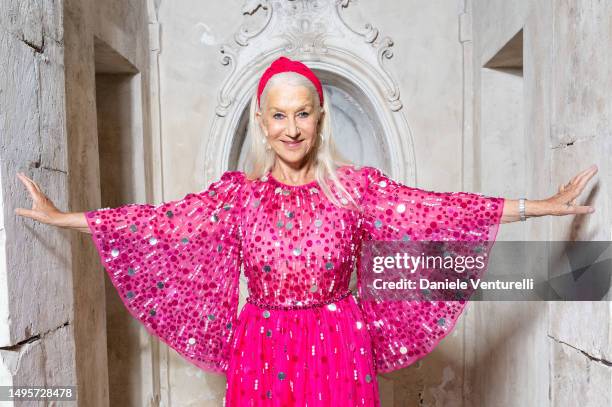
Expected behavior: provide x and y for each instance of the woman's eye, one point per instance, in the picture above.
(304, 114)
(277, 116)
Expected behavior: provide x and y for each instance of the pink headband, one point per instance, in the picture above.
(283, 64)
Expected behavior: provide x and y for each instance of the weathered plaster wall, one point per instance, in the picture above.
(462, 116)
(53, 298)
(92, 28)
(557, 353)
(36, 307)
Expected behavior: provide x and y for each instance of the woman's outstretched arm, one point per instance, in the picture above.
(560, 204)
(44, 211)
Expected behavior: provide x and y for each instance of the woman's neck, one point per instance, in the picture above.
(293, 175)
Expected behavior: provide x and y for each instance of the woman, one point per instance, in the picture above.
(296, 223)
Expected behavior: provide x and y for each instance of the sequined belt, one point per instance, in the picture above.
(262, 304)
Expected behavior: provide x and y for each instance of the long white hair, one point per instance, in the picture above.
(326, 159)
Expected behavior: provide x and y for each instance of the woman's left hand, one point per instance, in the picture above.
(564, 202)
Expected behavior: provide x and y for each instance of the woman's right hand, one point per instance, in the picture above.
(43, 210)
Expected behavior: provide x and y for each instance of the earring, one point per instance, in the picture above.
(265, 141)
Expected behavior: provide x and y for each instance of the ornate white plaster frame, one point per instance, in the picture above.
(315, 32)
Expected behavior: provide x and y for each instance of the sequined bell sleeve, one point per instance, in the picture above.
(405, 331)
(176, 267)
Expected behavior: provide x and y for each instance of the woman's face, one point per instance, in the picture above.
(290, 122)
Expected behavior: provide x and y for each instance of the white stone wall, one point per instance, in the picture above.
(475, 127)
(37, 335)
(557, 353)
(109, 101)
(52, 305)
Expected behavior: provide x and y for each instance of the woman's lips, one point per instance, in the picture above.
(292, 144)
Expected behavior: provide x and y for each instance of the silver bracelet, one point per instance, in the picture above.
(522, 209)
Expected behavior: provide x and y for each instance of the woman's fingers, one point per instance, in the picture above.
(30, 186)
(28, 213)
(569, 208)
(587, 176)
(576, 185)
(36, 186)
(582, 182)
(576, 179)
(43, 210)
(571, 191)
(581, 210)
(38, 196)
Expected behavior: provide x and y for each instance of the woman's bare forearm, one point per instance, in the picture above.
(532, 209)
(72, 220)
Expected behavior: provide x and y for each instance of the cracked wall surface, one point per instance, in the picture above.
(36, 337)
(537, 353)
(52, 298)
(581, 112)
(590, 357)
(579, 379)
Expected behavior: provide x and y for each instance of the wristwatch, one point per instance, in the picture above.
(522, 209)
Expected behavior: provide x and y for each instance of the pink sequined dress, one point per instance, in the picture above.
(302, 338)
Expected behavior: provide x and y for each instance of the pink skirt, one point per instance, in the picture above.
(310, 357)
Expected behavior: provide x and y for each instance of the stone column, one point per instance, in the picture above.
(37, 330)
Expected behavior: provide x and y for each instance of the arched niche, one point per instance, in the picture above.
(362, 107)
(370, 124)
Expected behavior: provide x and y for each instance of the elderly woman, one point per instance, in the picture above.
(296, 224)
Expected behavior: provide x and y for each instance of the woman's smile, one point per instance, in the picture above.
(292, 144)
